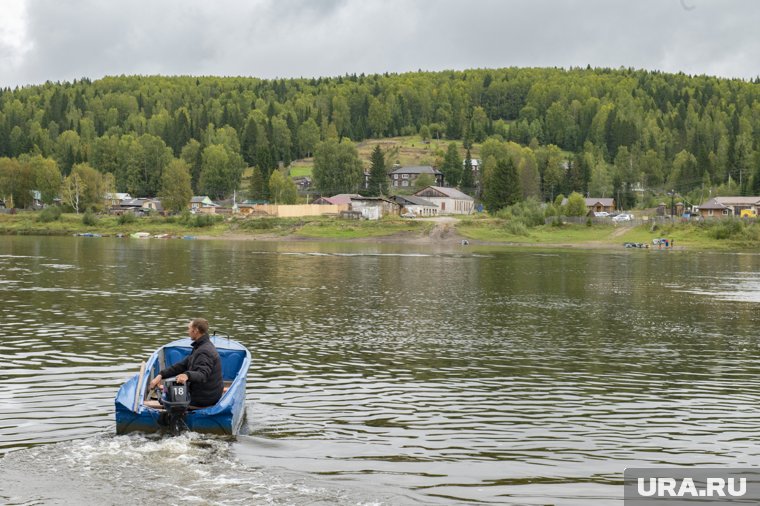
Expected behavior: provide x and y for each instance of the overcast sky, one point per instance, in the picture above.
(59, 40)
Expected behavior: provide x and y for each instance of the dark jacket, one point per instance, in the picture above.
(204, 370)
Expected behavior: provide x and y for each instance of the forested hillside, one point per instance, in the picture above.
(623, 129)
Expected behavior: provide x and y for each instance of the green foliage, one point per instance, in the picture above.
(424, 133)
(378, 178)
(576, 205)
(501, 185)
(47, 177)
(198, 220)
(89, 219)
(423, 181)
(16, 182)
(522, 216)
(726, 229)
(221, 169)
(517, 227)
(203, 220)
(337, 168)
(127, 218)
(49, 214)
(551, 210)
(257, 186)
(282, 190)
(529, 212)
(467, 182)
(176, 190)
(596, 130)
(270, 223)
(452, 165)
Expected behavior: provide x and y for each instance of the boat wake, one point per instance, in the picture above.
(137, 469)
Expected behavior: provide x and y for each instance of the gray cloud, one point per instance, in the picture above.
(269, 38)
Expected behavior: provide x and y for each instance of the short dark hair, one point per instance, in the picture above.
(200, 324)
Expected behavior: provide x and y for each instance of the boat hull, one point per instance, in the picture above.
(223, 418)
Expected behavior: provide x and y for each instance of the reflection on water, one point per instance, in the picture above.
(381, 374)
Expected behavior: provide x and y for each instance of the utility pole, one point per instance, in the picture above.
(672, 194)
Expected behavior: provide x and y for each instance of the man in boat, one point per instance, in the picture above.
(202, 368)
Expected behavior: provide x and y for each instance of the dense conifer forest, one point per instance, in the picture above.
(619, 132)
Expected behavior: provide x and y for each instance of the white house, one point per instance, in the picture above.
(373, 208)
(203, 204)
(448, 200)
(417, 205)
(729, 206)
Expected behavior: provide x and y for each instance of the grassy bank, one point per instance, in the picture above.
(719, 235)
(343, 229)
(30, 223)
(726, 235)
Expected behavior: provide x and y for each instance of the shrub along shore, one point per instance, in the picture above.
(512, 228)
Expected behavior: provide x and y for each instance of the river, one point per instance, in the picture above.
(382, 374)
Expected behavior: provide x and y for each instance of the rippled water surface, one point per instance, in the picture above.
(382, 374)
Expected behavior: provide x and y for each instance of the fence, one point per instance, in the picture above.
(295, 211)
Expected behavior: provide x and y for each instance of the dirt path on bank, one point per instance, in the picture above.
(620, 231)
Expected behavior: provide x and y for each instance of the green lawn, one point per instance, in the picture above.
(301, 170)
(500, 231)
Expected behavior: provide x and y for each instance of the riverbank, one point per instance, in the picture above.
(440, 230)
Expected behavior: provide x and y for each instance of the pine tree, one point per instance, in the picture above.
(249, 142)
(378, 179)
(468, 181)
(452, 165)
(257, 187)
(502, 187)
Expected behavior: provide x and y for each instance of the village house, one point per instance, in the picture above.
(664, 209)
(336, 200)
(719, 207)
(202, 204)
(114, 199)
(374, 208)
(416, 205)
(596, 205)
(448, 200)
(137, 206)
(404, 177)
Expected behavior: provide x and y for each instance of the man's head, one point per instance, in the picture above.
(197, 327)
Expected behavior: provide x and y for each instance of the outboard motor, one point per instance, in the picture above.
(176, 400)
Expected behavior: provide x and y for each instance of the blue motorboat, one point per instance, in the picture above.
(138, 411)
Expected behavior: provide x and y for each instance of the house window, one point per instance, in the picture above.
(395, 176)
(404, 183)
(405, 176)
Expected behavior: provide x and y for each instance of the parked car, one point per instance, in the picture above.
(408, 214)
(622, 217)
(601, 214)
